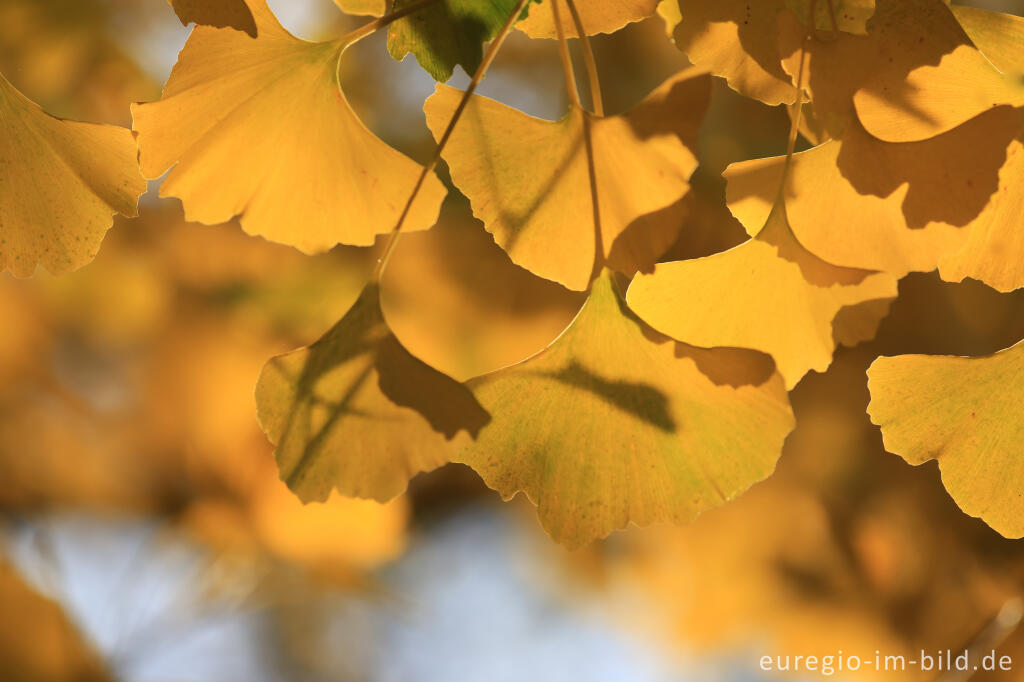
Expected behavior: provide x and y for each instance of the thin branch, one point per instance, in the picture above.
(563, 51)
(481, 71)
(588, 58)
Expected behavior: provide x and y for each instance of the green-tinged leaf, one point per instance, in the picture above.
(614, 423)
(357, 413)
(61, 182)
(448, 33)
(966, 414)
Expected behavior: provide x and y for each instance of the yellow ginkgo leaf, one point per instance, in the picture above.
(999, 36)
(529, 180)
(668, 10)
(259, 128)
(930, 77)
(850, 16)
(614, 423)
(596, 16)
(737, 40)
(61, 182)
(374, 8)
(860, 202)
(966, 414)
(994, 250)
(768, 294)
(219, 13)
(357, 413)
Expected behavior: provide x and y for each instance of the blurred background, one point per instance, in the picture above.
(144, 535)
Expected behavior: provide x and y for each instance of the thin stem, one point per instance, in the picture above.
(563, 52)
(379, 23)
(588, 58)
(570, 84)
(794, 128)
(481, 71)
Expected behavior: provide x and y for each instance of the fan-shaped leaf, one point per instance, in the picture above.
(261, 129)
(218, 13)
(355, 411)
(596, 16)
(613, 423)
(966, 414)
(768, 294)
(61, 182)
(999, 36)
(529, 180)
(895, 207)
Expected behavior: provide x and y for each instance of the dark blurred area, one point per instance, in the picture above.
(145, 534)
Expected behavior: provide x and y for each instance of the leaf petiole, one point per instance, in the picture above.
(384, 21)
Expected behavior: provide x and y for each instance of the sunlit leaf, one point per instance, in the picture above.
(994, 250)
(964, 413)
(863, 203)
(768, 294)
(261, 129)
(61, 182)
(529, 179)
(930, 78)
(366, 7)
(850, 16)
(614, 424)
(736, 39)
(357, 413)
(596, 16)
(668, 10)
(219, 13)
(999, 36)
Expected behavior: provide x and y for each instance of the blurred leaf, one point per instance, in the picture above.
(61, 182)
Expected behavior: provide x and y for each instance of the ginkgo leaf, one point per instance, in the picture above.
(999, 36)
(964, 413)
(260, 128)
(61, 182)
(768, 294)
(596, 16)
(448, 33)
(850, 16)
(994, 249)
(613, 424)
(529, 180)
(219, 13)
(736, 39)
(374, 8)
(863, 203)
(931, 77)
(357, 413)
(669, 12)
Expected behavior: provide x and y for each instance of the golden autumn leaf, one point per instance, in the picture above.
(596, 16)
(374, 8)
(220, 13)
(61, 182)
(930, 78)
(357, 413)
(613, 424)
(999, 36)
(850, 16)
(994, 250)
(261, 129)
(736, 39)
(768, 294)
(859, 202)
(964, 413)
(530, 180)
